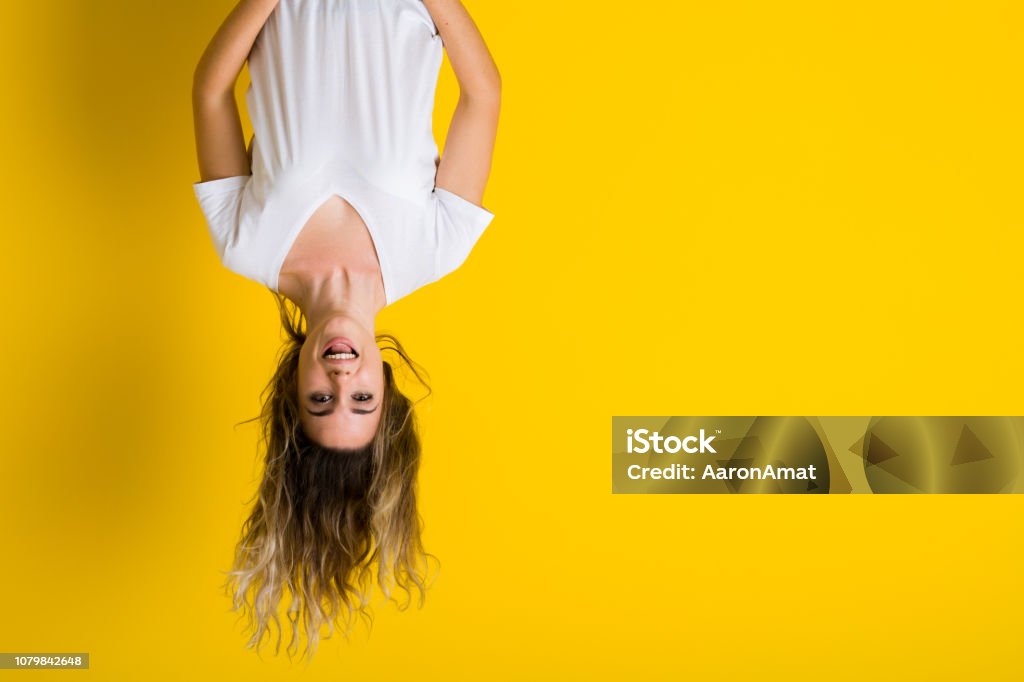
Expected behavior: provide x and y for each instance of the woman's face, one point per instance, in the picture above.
(341, 383)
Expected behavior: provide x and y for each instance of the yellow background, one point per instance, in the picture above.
(702, 208)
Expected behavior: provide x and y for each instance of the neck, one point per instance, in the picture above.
(320, 295)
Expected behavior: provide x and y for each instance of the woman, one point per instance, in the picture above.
(340, 206)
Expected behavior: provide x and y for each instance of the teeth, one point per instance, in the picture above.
(341, 356)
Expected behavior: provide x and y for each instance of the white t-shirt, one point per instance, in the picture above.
(341, 102)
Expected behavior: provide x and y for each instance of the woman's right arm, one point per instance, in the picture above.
(220, 142)
(466, 161)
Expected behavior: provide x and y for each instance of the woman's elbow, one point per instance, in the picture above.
(494, 76)
(486, 90)
(201, 88)
(494, 82)
(206, 86)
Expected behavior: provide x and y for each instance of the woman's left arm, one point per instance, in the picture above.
(466, 161)
(220, 144)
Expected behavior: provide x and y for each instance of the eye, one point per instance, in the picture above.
(362, 397)
(321, 398)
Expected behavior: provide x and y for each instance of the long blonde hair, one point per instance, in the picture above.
(325, 519)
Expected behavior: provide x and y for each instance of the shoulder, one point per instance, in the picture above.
(220, 201)
(458, 226)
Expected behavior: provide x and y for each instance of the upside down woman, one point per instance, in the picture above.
(340, 206)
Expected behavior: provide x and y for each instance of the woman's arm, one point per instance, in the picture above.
(220, 142)
(466, 161)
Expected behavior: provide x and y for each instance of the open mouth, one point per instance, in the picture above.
(340, 349)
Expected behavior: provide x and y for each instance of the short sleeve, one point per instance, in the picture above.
(220, 201)
(426, 18)
(459, 224)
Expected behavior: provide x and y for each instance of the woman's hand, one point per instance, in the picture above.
(466, 162)
(220, 142)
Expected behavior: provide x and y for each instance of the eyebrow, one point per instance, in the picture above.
(331, 411)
